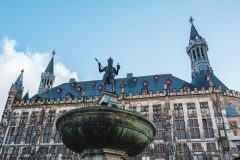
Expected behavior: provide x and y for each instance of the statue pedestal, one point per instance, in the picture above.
(109, 99)
(103, 154)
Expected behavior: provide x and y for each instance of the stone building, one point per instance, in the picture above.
(197, 120)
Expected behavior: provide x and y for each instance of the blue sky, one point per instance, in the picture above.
(145, 37)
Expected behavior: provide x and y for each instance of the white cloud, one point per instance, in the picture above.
(33, 63)
(89, 77)
(63, 74)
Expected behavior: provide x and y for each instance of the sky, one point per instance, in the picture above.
(145, 37)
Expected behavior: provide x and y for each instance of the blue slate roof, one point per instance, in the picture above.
(154, 83)
(200, 80)
(231, 112)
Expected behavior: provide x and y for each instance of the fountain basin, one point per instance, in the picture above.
(105, 127)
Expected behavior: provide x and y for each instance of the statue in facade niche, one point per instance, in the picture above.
(110, 73)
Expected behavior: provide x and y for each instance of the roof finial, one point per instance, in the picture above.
(191, 20)
(53, 52)
(22, 70)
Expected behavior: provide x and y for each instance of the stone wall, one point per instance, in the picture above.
(186, 125)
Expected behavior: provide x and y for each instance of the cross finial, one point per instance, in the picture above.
(53, 52)
(191, 20)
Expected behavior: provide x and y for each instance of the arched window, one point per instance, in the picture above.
(30, 137)
(57, 138)
(46, 135)
(45, 81)
(198, 53)
(203, 55)
(194, 55)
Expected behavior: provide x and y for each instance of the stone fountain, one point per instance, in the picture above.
(105, 132)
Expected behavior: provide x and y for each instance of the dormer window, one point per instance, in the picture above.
(79, 89)
(145, 84)
(93, 83)
(58, 90)
(156, 77)
(100, 87)
(134, 80)
(73, 84)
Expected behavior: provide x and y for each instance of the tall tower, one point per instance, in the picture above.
(197, 51)
(202, 73)
(15, 94)
(17, 88)
(47, 77)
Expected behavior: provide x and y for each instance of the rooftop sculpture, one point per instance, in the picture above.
(109, 75)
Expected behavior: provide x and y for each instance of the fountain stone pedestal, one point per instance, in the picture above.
(103, 154)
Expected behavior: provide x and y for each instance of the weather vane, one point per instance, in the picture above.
(191, 20)
(53, 52)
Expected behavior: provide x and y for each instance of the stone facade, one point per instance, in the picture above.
(198, 120)
(187, 125)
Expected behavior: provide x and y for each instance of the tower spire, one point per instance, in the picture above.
(17, 87)
(194, 33)
(50, 67)
(47, 77)
(197, 51)
(26, 96)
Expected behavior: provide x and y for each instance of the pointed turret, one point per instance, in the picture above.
(47, 77)
(26, 97)
(15, 92)
(17, 87)
(194, 32)
(50, 67)
(201, 69)
(197, 51)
